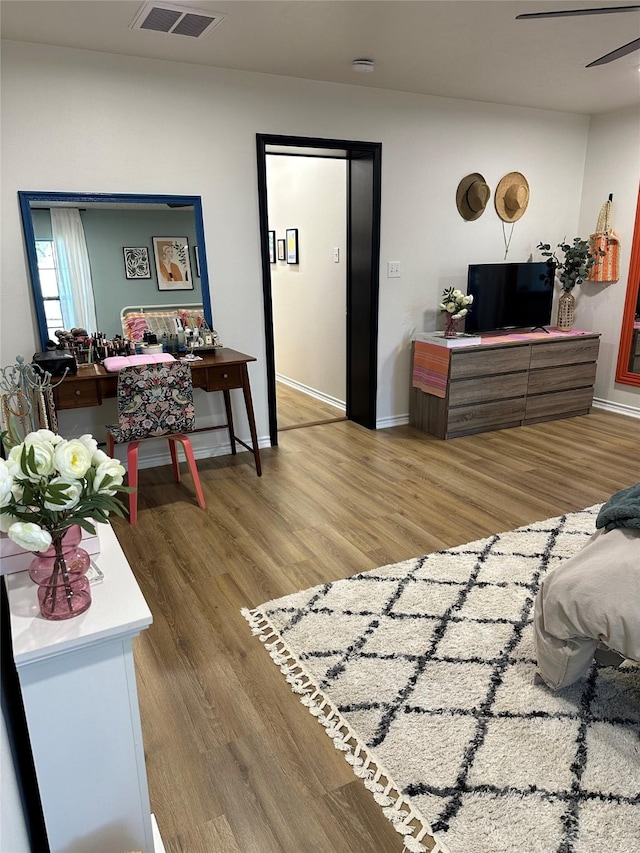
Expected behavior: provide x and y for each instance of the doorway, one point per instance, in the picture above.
(308, 286)
(362, 268)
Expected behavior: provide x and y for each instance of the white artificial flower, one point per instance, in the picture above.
(72, 459)
(72, 492)
(89, 442)
(451, 307)
(6, 482)
(43, 453)
(457, 293)
(29, 536)
(112, 468)
(99, 456)
(468, 299)
(47, 435)
(442, 306)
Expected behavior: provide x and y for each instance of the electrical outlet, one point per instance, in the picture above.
(393, 269)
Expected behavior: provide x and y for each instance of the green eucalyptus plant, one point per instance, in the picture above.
(579, 257)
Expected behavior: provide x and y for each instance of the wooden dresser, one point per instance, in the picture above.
(509, 383)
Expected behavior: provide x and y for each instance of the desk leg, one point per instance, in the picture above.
(227, 405)
(246, 389)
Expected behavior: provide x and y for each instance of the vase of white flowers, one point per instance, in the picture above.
(50, 490)
(456, 306)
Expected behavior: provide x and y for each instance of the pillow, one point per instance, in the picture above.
(117, 362)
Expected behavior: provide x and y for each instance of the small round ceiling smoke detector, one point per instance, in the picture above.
(366, 65)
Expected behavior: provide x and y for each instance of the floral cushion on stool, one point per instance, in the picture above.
(154, 400)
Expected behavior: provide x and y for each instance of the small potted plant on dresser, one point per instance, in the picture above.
(572, 269)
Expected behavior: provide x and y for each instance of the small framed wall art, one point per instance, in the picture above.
(173, 267)
(292, 245)
(136, 262)
(281, 251)
(272, 247)
(196, 261)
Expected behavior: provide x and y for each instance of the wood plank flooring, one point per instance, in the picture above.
(235, 763)
(296, 409)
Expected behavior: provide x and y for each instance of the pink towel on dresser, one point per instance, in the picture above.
(117, 362)
(431, 368)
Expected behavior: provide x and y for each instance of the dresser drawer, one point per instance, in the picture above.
(562, 378)
(224, 376)
(465, 391)
(75, 395)
(555, 354)
(559, 404)
(476, 362)
(486, 416)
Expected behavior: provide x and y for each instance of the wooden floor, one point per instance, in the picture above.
(235, 763)
(296, 409)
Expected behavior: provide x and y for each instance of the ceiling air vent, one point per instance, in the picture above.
(178, 20)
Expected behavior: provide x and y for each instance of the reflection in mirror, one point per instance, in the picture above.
(628, 368)
(91, 255)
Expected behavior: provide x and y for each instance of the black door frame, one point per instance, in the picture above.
(364, 171)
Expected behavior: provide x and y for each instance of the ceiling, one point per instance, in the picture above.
(471, 49)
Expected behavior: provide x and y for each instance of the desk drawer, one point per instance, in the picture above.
(488, 362)
(486, 416)
(559, 404)
(76, 395)
(224, 376)
(465, 391)
(558, 353)
(562, 378)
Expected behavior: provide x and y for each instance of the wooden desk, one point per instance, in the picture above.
(220, 371)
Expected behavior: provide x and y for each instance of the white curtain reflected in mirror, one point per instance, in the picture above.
(73, 269)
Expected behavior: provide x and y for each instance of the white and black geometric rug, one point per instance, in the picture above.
(423, 675)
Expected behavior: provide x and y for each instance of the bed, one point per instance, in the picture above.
(158, 319)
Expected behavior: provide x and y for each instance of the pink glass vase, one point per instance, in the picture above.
(61, 575)
(450, 326)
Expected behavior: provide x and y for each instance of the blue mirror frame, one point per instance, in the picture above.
(27, 197)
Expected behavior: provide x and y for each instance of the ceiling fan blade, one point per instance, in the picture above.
(568, 13)
(616, 54)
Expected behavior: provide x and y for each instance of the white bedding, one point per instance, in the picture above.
(592, 598)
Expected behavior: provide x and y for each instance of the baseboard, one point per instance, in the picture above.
(157, 454)
(617, 408)
(158, 846)
(311, 392)
(395, 420)
(607, 405)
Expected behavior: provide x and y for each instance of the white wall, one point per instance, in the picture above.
(77, 120)
(612, 166)
(309, 298)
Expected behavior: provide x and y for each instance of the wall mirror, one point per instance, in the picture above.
(628, 367)
(91, 255)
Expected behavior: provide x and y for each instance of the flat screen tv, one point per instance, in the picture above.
(509, 296)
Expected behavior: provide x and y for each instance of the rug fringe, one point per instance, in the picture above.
(404, 817)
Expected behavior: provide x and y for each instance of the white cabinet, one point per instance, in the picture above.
(79, 691)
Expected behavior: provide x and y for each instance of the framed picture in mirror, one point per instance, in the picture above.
(272, 247)
(281, 251)
(173, 267)
(196, 260)
(136, 262)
